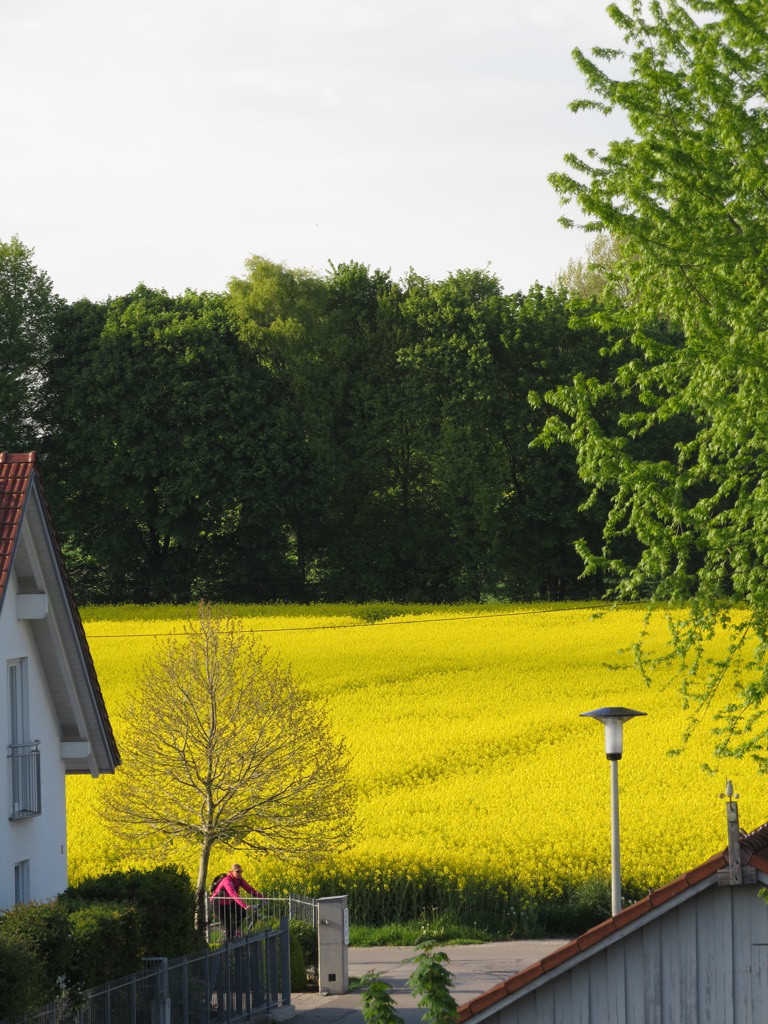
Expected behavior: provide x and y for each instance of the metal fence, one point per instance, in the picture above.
(241, 980)
(260, 909)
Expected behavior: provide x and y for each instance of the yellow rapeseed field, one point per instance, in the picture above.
(477, 777)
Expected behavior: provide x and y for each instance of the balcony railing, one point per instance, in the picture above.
(25, 779)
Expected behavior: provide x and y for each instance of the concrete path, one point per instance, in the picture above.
(475, 969)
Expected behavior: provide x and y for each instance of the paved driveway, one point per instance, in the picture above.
(475, 969)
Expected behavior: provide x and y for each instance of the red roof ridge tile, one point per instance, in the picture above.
(598, 932)
(527, 974)
(18, 457)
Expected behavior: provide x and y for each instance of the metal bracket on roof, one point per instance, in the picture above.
(736, 873)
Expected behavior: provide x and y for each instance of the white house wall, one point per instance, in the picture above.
(703, 962)
(41, 839)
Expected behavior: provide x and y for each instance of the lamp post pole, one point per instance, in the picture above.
(613, 720)
(615, 844)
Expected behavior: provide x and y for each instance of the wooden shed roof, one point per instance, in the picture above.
(754, 854)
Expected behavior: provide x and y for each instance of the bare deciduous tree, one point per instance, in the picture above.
(221, 747)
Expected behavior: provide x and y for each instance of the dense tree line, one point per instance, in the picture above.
(302, 437)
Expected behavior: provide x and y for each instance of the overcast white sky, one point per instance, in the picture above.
(165, 141)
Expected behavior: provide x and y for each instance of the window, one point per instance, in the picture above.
(18, 702)
(21, 881)
(23, 752)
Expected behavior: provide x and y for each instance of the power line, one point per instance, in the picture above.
(358, 625)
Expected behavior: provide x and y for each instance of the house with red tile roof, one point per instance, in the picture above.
(692, 952)
(51, 703)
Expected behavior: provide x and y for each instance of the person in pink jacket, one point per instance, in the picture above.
(227, 903)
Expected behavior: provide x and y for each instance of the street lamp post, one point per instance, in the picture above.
(613, 719)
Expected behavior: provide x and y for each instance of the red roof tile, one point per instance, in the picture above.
(754, 850)
(759, 863)
(559, 956)
(489, 998)
(596, 934)
(15, 474)
(706, 869)
(527, 974)
(635, 910)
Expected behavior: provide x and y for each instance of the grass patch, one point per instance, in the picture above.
(442, 930)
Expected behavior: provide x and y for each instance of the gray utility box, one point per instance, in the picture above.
(332, 943)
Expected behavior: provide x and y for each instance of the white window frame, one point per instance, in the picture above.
(23, 752)
(18, 702)
(21, 881)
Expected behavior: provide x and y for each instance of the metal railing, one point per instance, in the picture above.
(244, 979)
(25, 780)
(263, 908)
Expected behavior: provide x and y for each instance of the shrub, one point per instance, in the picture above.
(17, 979)
(307, 936)
(41, 931)
(106, 943)
(303, 945)
(299, 981)
(164, 900)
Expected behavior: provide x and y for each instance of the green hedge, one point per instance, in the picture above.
(93, 932)
(18, 979)
(303, 945)
(106, 943)
(42, 933)
(307, 937)
(164, 900)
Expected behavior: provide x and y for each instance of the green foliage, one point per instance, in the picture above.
(306, 935)
(303, 939)
(674, 438)
(93, 932)
(18, 977)
(413, 399)
(106, 943)
(301, 437)
(430, 983)
(42, 931)
(479, 360)
(441, 928)
(163, 898)
(426, 904)
(28, 309)
(190, 434)
(299, 982)
(378, 1006)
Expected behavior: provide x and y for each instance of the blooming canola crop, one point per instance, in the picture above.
(474, 771)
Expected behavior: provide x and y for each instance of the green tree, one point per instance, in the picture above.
(380, 537)
(28, 309)
(589, 278)
(511, 509)
(246, 757)
(168, 446)
(334, 343)
(417, 479)
(684, 195)
(278, 313)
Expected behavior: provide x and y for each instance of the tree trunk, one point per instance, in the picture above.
(201, 889)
